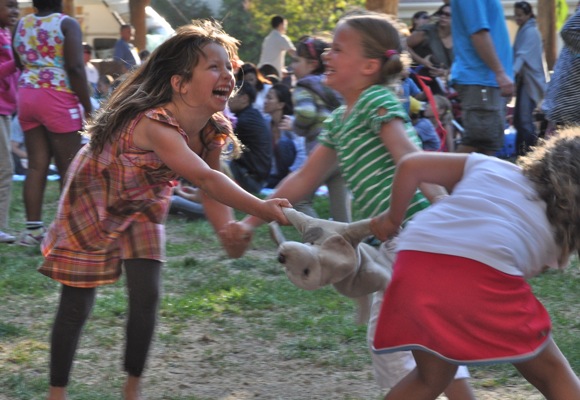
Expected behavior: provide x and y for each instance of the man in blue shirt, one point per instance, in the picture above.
(125, 54)
(482, 72)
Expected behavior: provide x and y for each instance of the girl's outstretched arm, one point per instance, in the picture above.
(174, 151)
(222, 217)
(295, 187)
(444, 169)
(304, 181)
(397, 142)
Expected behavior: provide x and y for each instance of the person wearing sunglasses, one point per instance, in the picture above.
(431, 47)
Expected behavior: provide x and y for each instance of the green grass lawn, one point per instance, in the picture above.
(202, 285)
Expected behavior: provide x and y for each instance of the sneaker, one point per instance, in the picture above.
(28, 239)
(6, 238)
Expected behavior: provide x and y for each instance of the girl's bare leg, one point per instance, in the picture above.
(459, 389)
(132, 388)
(56, 393)
(427, 381)
(551, 374)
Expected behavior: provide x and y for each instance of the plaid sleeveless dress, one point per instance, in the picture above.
(113, 207)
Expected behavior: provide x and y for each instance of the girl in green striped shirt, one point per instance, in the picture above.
(365, 137)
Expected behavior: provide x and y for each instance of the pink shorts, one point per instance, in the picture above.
(59, 112)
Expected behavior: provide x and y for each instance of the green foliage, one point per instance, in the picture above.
(249, 20)
(238, 21)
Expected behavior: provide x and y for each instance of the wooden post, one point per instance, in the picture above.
(384, 6)
(546, 15)
(137, 10)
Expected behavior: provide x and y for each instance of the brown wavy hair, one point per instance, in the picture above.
(149, 86)
(554, 168)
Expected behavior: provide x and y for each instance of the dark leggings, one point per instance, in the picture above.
(143, 286)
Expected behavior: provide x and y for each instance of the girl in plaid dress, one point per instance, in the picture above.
(164, 121)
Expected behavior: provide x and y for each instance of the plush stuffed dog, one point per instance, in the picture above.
(332, 253)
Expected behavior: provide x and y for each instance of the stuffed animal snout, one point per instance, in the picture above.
(310, 266)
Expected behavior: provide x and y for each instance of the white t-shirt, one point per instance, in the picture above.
(493, 216)
(274, 48)
(261, 98)
(92, 74)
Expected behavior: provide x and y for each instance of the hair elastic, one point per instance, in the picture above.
(390, 53)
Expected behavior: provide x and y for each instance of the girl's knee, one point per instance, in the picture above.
(433, 371)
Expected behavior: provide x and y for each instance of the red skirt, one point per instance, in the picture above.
(460, 310)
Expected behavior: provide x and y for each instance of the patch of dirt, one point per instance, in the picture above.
(243, 367)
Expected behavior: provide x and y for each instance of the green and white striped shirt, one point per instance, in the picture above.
(365, 162)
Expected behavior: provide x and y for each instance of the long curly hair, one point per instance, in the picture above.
(149, 86)
(554, 168)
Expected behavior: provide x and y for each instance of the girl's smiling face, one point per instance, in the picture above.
(302, 66)
(344, 58)
(212, 82)
(8, 13)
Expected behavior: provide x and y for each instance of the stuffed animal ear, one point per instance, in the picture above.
(337, 260)
(276, 233)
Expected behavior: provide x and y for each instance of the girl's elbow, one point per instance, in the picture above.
(408, 158)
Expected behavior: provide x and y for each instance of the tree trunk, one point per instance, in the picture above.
(547, 26)
(384, 6)
(137, 11)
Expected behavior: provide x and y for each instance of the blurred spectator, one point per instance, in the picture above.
(313, 103)
(276, 45)
(50, 110)
(481, 73)
(104, 87)
(420, 18)
(91, 71)
(252, 169)
(248, 72)
(289, 149)
(562, 97)
(19, 155)
(144, 55)
(18, 150)
(431, 47)
(186, 200)
(530, 76)
(125, 53)
(429, 139)
(269, 70)
(8, 95)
